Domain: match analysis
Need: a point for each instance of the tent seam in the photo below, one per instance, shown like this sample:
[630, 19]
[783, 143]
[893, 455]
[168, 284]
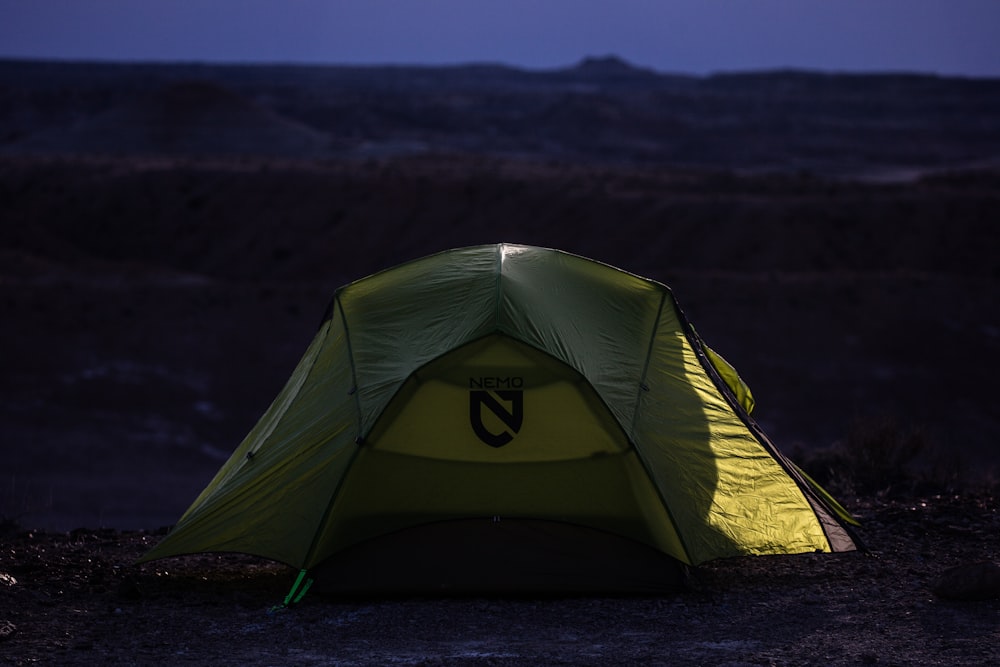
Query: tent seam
[499, 286]
[635, 418]
[355, 389]
[314, 543]
[645, 367]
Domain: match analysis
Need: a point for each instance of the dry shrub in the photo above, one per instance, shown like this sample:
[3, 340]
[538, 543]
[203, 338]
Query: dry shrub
[880, 457]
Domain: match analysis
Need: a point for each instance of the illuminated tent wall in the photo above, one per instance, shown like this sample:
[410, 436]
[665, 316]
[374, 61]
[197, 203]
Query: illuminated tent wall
[507, 417]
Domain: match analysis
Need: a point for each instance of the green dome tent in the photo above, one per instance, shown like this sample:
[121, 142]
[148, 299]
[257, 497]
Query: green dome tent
[507, 417]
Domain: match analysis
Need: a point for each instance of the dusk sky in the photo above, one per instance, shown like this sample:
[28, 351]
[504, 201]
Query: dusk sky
[682, 36]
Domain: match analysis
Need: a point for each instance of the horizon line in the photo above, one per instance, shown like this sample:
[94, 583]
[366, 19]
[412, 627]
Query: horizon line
[612, 59]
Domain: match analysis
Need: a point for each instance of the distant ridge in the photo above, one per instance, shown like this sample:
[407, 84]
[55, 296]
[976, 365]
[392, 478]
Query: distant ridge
[603, 109]
[189, 117]
[610, 65]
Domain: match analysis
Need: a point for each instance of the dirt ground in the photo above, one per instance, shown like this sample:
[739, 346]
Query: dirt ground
[77, 599]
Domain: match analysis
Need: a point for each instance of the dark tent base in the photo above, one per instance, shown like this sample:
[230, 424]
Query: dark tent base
[499, 557]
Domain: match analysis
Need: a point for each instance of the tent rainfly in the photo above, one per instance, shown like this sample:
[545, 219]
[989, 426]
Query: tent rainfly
[507, 418]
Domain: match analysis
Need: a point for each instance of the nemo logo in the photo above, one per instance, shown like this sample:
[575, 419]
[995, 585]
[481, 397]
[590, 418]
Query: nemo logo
[504, 399]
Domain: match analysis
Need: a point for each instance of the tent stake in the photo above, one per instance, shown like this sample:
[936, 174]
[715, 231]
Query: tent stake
[295, 595]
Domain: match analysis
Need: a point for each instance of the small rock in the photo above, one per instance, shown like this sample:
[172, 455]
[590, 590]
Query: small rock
[975, 581]
[7, 630]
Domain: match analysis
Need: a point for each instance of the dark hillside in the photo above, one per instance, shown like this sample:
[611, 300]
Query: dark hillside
[602, 110]
[155, 306]
[172, 234]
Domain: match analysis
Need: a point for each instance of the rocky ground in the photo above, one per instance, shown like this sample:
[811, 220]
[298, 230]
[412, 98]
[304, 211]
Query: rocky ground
[77, 599]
